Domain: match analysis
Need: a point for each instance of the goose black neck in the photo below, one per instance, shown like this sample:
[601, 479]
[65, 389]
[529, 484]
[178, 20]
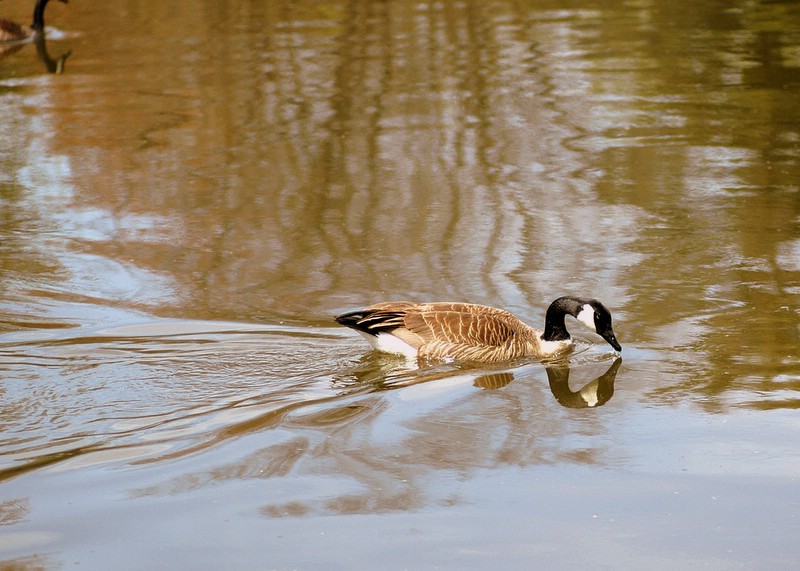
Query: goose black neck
[38, 15]
[554, 327]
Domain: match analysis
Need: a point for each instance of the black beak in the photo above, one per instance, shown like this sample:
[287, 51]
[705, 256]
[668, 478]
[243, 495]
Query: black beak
[608, 335]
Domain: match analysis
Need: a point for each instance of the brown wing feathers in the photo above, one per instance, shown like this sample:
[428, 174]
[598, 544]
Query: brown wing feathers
[457, 330]
[460, 324]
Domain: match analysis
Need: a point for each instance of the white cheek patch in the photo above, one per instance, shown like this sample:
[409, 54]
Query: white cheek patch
[586, 316]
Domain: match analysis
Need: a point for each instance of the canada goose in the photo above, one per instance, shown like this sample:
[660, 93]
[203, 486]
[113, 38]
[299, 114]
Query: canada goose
[469, 332]
[13, 34]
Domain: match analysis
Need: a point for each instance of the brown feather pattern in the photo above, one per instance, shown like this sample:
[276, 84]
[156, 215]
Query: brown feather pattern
[460, 331]
[11, 35]
[10, 30]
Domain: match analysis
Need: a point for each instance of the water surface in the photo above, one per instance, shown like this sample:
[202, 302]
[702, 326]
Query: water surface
[189, 202]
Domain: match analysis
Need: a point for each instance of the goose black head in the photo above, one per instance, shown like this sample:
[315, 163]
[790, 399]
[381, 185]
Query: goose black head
[596, 317]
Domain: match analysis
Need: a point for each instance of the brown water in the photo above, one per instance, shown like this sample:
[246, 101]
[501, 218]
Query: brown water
[186, 206]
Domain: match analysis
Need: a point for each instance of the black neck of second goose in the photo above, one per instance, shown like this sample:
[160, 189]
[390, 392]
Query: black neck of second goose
[38, 15]
[554, 327]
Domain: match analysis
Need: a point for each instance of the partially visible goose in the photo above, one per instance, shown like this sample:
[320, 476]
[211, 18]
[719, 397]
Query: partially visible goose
[13, 34]
[469, 332]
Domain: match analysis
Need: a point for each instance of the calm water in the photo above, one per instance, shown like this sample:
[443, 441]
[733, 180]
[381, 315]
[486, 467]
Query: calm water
[186, 206]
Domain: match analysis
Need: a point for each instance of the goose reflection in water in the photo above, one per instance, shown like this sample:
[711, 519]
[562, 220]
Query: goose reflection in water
[593, 394]
[13, 37]
[57, 65]
[385, 372]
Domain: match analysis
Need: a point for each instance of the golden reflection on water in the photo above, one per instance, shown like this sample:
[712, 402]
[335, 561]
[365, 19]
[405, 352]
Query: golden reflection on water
[321, 156]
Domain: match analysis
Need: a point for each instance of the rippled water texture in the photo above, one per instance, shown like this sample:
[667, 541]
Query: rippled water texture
[204, 185]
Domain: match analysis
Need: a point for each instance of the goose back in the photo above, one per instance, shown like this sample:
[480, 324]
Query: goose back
[460, 331]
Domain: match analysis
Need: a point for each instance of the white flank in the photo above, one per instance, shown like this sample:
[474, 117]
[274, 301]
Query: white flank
[388, 343]
[586, 316]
